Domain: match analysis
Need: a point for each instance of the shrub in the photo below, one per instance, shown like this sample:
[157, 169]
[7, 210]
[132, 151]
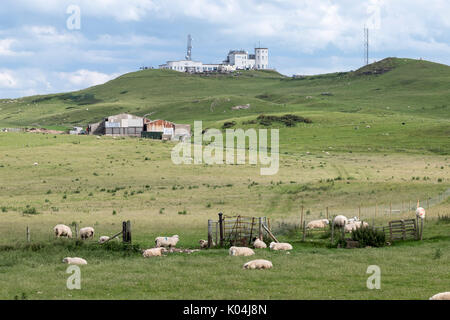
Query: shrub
[30, 210]
[367, 236]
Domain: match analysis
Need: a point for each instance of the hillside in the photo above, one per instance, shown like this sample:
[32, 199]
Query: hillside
[401, 95]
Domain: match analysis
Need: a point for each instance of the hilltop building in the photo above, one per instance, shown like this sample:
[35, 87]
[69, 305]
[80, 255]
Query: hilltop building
[236, 60]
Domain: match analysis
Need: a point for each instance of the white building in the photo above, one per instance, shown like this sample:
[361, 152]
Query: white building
[236, 60]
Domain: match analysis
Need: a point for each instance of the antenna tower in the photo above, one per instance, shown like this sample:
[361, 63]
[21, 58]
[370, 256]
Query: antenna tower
[366, 45]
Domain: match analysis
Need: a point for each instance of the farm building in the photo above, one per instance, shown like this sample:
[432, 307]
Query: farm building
[123, 124]
[166, 130]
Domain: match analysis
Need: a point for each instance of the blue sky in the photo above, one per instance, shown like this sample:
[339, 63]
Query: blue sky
[39, 54]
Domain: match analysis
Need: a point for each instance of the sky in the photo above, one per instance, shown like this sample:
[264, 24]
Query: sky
[50, 46]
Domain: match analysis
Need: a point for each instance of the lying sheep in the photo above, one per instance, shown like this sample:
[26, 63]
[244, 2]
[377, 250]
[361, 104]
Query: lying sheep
[167, 241]
[258, 264]
[259, 244]
[204, 244]
[340, 221]
[154, 252]
[77, 261]
[280, 246]
[62, 230]
[103, 239]
[420, 212]
[87, 233]
[318, 224]
[241, 251]
[441, 296]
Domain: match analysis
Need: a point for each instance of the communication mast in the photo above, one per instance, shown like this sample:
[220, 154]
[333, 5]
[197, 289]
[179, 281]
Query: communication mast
[189, 48]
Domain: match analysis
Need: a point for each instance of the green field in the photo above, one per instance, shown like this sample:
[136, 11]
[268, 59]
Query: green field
[376, 141]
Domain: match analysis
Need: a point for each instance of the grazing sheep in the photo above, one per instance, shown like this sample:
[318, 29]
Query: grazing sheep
[340, 221]
[154, 252]
[167, 241]
[280, 246]
[354, 219]
[420, 212]
[355, 225]
[259, 244]
[77, 261]
[258, 264]
[62, 230]
[317, 224]
[103, 239]
[204, 244]
[441, 296]
[86, 233]
[241, 251]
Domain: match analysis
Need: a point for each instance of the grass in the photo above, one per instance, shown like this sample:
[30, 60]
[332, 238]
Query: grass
[376, 139]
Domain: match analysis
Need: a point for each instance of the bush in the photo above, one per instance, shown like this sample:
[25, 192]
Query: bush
[30, 210]
[367, 236]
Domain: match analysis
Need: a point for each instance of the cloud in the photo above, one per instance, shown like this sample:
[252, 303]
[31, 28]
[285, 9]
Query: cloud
[7, 80]
[85, 78]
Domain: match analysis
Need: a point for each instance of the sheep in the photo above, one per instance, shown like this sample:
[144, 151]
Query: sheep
[280, 246]
[355, 225]
[103, 239]
[204, 244]
[167, 241]
[86, 233]
[258, 264]
[340, 221]
[77, 261]
[154, 252]
[317, 224]
[62, 230]
[354, 219]
[420, 213]
[441, 296]
[241, 251]
[259, 244]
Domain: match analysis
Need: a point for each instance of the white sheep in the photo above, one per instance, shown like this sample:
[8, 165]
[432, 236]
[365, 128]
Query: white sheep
[103, 239]
[280, 246]
[86, 233]
[62, 230]
[259, 244]
[420, 212]
[317, 224]
[77, 261]
[258, 264]
[441, 296]
[204, 244]
[154, 252]
[241, 251]
[340, 221]
[354, 219]
[167, 241]
[355, 225]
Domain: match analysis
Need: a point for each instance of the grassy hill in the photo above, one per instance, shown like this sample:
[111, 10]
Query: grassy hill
[392, 105]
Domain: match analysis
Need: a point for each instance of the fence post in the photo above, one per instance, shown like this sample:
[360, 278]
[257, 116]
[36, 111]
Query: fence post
[28, 234]
[210, 240]
[221, 228]
[301, 217]
[260, 229]
[421, 229]
[332, 232]
[327, 213]
[359, 212]
[76, 230]
[129, 231]
[304, 231]
[124, 231]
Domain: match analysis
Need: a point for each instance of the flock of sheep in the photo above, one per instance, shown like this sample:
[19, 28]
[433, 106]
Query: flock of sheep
[162, 243]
